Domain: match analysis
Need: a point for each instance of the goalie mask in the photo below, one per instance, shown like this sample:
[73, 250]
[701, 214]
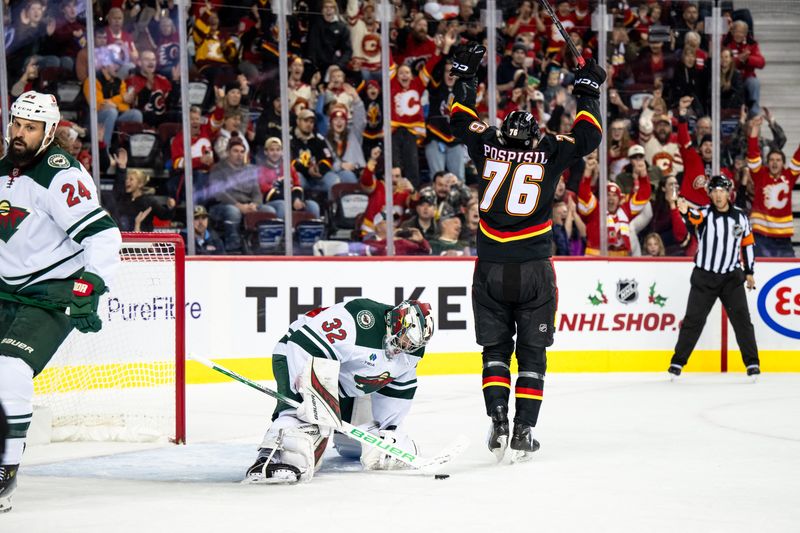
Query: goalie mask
[41, 108]
[409, 327]
[520, 129]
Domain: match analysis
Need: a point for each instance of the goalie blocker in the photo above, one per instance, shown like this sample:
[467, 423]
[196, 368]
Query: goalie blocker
[358, 349]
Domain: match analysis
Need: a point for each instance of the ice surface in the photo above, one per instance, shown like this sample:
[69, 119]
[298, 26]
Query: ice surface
[620, 452]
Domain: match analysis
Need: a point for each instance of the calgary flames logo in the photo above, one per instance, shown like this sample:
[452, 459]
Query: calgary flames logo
[776, 195]
[10, 219]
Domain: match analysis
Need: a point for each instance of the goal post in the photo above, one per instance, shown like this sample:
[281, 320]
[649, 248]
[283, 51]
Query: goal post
[126, 382]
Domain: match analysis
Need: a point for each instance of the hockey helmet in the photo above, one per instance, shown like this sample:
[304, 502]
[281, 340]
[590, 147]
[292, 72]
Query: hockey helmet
[719, 182]
[409, 327]
[520, 129]
[32, 105]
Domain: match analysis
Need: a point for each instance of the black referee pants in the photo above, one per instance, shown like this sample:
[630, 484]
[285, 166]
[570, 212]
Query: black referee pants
[706, 288]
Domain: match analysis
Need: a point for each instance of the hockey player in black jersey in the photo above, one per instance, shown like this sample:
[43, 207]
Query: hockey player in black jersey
[514, 286]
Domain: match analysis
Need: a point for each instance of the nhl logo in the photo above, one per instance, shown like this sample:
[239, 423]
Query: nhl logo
[627, 291]
[365, 319]
[738, 230]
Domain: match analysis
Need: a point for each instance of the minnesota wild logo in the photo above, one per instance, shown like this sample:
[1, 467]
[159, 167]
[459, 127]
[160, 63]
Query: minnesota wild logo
[370, 384]
[10, 219]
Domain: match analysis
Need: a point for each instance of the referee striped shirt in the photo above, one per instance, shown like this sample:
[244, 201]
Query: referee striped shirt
[725, 239]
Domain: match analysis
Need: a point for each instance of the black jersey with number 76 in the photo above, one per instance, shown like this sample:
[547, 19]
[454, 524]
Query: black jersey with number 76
[518, 185]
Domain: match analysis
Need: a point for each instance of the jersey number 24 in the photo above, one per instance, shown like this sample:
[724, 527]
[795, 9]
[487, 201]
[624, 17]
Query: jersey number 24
[523, 193]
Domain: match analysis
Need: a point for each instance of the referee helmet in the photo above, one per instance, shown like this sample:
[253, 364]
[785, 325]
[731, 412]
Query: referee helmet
[719, 182]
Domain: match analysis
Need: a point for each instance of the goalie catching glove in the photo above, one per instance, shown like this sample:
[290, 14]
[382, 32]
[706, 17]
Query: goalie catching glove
[467, 59]
[589, 79]
[83, 305]
[318, 384]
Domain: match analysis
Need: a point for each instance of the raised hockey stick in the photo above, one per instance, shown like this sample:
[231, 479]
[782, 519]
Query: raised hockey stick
[578, 57]
[428, 465]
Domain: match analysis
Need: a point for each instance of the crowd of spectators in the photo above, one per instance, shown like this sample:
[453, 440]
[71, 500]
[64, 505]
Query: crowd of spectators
[658, 123]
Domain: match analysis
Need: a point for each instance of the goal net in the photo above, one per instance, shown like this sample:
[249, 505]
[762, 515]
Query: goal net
[125, 382]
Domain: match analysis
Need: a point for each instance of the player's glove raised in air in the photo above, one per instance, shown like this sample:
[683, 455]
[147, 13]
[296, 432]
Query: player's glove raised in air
[589, 79]
[466, 60]
[83, 306]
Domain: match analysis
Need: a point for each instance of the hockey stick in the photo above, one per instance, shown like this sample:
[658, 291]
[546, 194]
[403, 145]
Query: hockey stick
[426, 465]
[578, 57]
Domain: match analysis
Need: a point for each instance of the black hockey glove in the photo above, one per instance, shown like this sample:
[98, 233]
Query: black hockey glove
[589, 79]
[466, 60]
[83, 306]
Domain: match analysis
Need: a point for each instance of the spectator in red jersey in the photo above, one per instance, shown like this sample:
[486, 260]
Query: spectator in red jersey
[771, 214]
[329, 39]
[620, 211]
[365, 39]
[167, 47]
[408, 118]
[570, 18]
[152, 92]
[69, 36]
[116, 35]
[527, 20]
[747, 57]
[202, 130]
[415, 46]
[407, 241]
[652, 64]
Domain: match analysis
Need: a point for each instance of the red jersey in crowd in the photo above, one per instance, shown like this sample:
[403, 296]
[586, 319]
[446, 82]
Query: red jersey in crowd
[746, 56]
[150, 99]
[407, 110]
[575, 19]
[201, 143]
[771, 214]
[377, 199]
[618, 223]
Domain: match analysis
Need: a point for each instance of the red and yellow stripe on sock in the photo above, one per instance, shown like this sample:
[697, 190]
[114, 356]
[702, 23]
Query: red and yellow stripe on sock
[497, 381]
[528, 393]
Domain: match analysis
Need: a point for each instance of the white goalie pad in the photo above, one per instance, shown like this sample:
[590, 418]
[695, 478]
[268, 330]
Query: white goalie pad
[376, 459]
[318, 384]
[297, 444]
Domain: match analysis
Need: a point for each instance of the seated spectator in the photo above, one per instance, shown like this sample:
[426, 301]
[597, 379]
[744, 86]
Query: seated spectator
[424, 218]
[448, 241]
[654, 246]
[298, 88]
[450, 192]
[270, 180]
[338, 93]
[29, 81]
[135, 203]
[747, 58]
[512, 68]
[344, 141]
[406, 241]
[206, 241]
[469, 230]
[234, 184]
[69, 36]
[166, 44]
[29, 35]
[771, 215]
[690, 22]
[231, 127]
[235, 98]
[402, 191]
[329, 39]
[114, 97]
[269, 122]
[560, 231]
[153, 94]
[652, 65]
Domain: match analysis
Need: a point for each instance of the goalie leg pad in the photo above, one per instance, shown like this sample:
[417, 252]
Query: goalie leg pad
[319, 386]
[296, 443]
[376, 459]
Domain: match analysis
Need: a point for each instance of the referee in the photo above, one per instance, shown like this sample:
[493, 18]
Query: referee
[724, 236]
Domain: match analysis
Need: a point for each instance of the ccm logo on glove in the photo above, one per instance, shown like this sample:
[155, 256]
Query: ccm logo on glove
[587, 81]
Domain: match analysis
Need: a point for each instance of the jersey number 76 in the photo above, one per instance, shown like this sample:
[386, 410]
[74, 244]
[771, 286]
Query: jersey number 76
[523, 193]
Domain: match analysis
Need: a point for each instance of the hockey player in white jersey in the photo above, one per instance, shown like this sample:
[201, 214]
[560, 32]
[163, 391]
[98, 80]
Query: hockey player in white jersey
[350, 350]
[58, 251]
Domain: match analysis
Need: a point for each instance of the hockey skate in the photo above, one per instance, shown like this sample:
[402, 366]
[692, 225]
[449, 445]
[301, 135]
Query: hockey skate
[753, 371]
[522, 443]
[498, 432]
[8, 482]
[265, 472]
[674, 371]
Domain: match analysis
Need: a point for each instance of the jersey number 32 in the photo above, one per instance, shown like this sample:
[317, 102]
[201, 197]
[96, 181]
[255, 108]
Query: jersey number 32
[523, 193]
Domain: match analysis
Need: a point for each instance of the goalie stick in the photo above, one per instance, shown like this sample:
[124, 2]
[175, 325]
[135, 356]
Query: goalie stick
[427, 465]
[578, 57]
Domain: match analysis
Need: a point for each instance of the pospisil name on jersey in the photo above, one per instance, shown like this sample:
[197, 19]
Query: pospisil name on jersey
[514, 156]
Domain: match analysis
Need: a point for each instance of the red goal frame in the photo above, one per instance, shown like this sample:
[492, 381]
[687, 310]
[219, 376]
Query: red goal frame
[180, 321]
